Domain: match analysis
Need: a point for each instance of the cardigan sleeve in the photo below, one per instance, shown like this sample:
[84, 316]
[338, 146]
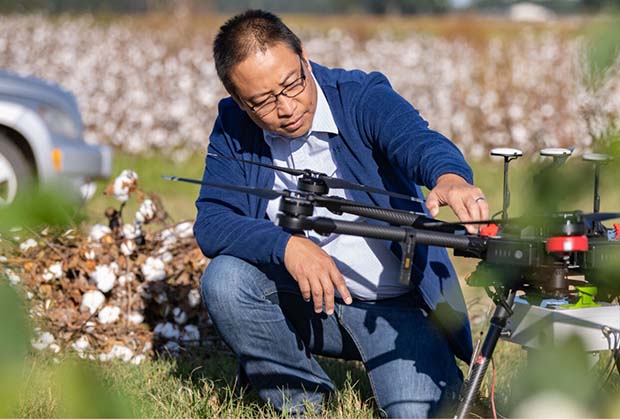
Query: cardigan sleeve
[224, 223]
[394, 126]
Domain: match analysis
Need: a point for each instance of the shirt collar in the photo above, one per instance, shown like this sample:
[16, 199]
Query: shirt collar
[323, 120]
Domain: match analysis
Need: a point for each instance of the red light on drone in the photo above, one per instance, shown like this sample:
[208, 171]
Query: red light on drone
[489, 230]
[567, 244]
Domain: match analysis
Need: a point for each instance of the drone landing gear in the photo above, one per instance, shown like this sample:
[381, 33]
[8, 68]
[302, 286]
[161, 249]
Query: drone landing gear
[472, 384]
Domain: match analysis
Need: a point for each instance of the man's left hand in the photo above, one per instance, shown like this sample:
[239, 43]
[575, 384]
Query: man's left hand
[466, 200]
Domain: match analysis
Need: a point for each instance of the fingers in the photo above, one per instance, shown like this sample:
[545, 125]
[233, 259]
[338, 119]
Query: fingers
[316, 274]
[467, 201]
[432, 204]
[304, 287]
[341, 286]
[323, 292]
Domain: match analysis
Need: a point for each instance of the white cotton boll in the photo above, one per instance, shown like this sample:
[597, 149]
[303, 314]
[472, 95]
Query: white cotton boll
[547, 110]
[184, 230]
[89, 327]
[167, 331]
[98, 231]
[147, 210]
[3, 259]
[167, 257]
[193, 297]
[168, 237]
[54, 347]
[53, 271]
[138, 359]
[14, 279]
[92, 300]
[124, 184]
[153, 269]
[87, 190]
[131, 231]
[190, 333]
[180, 317]
[117, 352]
[515, 112]
[114, 267]
[81, 344]
[28, 244]
[44, 340]
[519, 134]
[126, 278]
[128, 247]
[109, 314]
[135, 318]
[104, 277]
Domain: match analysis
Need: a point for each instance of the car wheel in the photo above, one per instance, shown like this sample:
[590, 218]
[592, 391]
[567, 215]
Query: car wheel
[15, 170]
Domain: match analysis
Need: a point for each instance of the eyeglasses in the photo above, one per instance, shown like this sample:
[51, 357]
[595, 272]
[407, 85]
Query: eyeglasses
[291, 90]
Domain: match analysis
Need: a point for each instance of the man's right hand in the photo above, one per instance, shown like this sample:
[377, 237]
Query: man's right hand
[315, 273]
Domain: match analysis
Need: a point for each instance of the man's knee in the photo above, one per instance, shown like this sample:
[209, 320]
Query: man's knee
[228, 281]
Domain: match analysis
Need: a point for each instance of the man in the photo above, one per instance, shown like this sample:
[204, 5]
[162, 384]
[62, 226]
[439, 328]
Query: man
[278, 298]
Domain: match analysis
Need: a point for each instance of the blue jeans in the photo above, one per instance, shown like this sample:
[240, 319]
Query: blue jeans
[260, 314]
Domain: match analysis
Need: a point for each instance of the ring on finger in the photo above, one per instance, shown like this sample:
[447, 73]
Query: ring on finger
[480, 198]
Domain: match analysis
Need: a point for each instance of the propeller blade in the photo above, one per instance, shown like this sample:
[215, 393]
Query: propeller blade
[331, 182]
[294, 172]
[336, 183]
[601, 216]
[536, 219]
[260, 192]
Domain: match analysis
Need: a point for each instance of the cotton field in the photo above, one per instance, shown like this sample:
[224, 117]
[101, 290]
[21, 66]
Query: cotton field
[145, 88]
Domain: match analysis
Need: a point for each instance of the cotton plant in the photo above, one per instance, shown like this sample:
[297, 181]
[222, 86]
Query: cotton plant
[129, 282]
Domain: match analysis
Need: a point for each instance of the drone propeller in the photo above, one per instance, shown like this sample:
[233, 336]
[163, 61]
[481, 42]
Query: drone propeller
[601, 216]
[330, 181]
[338, 205]
[274, 194]
[591, 217]
[260, 192]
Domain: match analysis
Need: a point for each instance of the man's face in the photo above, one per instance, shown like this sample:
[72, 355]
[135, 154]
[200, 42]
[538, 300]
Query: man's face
[277, 71]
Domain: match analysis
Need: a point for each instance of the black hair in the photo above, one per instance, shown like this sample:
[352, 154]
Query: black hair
[246, 33]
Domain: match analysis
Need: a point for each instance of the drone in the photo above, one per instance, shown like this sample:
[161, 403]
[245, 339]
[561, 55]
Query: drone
[569, 258]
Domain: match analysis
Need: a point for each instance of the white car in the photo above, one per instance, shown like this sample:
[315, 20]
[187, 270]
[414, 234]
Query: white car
[41, 138]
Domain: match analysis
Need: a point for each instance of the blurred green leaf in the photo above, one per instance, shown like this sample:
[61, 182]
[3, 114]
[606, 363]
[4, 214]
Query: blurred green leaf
[563, 370]
[85, 393]
[603, 48]
[14, 344]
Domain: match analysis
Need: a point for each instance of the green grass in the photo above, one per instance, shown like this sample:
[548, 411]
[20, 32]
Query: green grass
[190, 387]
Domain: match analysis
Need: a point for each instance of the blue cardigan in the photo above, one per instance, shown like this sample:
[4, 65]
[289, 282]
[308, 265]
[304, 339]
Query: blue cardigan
[382, 142]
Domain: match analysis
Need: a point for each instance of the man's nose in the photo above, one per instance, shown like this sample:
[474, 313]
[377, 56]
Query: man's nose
[286, 106]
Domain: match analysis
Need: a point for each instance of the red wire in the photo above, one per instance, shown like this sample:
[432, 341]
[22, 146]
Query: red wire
[493, 390]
